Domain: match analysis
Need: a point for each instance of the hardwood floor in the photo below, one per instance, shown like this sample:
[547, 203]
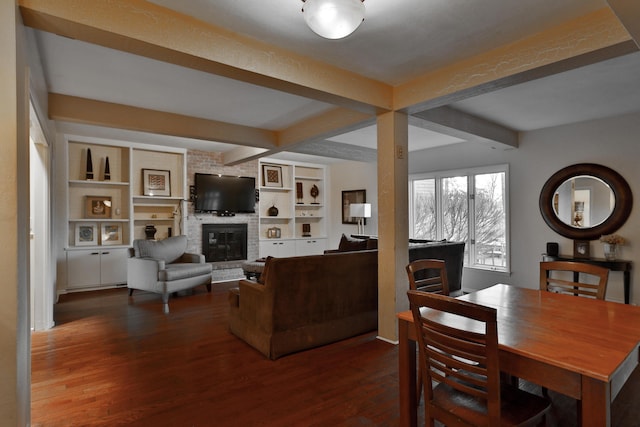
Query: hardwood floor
[112, 360]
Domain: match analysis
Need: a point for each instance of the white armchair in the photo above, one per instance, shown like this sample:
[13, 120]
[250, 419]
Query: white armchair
[164, 267]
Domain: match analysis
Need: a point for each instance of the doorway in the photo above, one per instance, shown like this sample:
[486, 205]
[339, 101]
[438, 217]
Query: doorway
[41, 282]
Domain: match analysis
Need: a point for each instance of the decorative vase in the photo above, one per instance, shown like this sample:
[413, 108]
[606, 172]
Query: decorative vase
[610, 251]
[107, 170]
[314, 193]
[150, 232]
[273, 211]
[89, 172]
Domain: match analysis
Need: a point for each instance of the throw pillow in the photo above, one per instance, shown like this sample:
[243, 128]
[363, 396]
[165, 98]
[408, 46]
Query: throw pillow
[351, 244]
[168, 250]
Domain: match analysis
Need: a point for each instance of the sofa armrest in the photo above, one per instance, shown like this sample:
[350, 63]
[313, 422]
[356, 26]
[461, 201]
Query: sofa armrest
[255, 305]
[142, 273]
[192, 258]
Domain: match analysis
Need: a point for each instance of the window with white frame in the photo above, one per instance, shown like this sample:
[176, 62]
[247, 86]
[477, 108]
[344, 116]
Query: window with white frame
[464, 205]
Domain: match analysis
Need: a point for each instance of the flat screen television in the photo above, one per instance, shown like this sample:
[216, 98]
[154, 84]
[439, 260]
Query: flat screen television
[224, 194]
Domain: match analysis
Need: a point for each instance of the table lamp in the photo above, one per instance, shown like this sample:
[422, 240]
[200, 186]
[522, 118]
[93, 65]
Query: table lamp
[360, 211]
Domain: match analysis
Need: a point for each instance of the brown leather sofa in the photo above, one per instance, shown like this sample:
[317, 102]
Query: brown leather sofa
[305, 302]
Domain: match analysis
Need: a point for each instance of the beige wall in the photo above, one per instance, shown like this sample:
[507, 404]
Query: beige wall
[14, 214]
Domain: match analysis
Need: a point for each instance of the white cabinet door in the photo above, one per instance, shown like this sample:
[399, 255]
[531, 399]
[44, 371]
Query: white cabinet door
[96, 267]
[113, 266]
[310, 246]
[277, 248]
[83, 268]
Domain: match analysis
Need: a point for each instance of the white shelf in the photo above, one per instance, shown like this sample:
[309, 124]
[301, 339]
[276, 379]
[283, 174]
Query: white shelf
[277, 189]
[174, 198]
[98, 219]
[91, 183]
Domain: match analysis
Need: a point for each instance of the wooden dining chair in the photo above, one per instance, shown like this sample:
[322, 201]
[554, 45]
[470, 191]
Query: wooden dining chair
[581, 285]
[428, 275]
[458, 343]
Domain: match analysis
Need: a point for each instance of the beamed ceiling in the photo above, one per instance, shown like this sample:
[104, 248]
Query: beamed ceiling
[251, 80]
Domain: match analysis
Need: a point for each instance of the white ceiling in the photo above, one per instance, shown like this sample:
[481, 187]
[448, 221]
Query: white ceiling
[398, 40]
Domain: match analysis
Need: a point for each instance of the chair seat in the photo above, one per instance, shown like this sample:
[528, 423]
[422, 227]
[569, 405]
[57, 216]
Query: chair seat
[179, 271]
[518, 407]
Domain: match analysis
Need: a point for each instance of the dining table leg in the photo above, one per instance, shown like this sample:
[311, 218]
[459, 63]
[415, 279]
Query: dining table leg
[596, 403]
[407, 376]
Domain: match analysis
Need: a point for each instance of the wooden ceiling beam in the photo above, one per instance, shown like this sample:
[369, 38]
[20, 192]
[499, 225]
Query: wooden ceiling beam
[628, 12]
[588, 39]
[146, 29]
[448, 121]
[311, 132]
[88, 111]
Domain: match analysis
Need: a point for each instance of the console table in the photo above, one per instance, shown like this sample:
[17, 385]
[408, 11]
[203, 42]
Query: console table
[615, 265]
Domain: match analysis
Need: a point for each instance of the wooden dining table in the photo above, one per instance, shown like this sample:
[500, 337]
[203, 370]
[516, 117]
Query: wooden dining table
[583, 348]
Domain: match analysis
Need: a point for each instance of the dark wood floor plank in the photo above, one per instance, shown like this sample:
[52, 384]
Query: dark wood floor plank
[115, 360]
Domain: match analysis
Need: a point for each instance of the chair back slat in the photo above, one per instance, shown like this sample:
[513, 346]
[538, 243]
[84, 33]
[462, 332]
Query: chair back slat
[580, 285]
[428, 275]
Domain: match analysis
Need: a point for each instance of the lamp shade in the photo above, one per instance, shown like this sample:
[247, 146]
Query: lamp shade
[360, 210]
[333, 19]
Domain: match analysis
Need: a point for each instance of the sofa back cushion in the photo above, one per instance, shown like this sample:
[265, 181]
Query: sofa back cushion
[168, 250]
[314, 289]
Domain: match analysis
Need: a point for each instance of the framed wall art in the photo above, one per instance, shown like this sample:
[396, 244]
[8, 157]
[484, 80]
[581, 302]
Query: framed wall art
[271, 176]
[111, 234]
[97, 207]
[348, 197]
[156, 182]
[86, 234]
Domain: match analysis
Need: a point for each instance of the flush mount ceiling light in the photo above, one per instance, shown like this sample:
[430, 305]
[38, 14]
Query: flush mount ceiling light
[333, 19]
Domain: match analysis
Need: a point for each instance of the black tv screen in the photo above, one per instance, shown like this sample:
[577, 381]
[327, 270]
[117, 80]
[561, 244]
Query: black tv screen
[221, 193]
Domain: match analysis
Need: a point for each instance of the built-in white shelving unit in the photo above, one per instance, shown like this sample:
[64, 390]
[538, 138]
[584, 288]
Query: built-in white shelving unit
[106, 212]
[299, 228]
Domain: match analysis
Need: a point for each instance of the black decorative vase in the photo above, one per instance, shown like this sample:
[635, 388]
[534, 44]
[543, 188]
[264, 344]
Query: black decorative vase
[107, 170]
[150, 231]
[273, 211]
[89, 165]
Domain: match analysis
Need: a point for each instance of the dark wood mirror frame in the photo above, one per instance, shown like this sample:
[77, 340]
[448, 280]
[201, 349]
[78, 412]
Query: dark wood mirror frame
[619, 215]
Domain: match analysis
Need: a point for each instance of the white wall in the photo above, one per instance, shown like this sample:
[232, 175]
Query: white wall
[611, 142]
[347, 176]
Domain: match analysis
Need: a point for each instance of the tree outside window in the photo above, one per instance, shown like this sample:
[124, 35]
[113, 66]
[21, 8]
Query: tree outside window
[441, 207]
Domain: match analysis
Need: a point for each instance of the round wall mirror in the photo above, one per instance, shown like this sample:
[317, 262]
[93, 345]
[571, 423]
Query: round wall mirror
[585, 201]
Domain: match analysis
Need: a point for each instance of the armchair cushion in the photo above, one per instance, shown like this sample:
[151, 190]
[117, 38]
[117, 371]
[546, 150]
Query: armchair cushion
[167, 250]
[183, 271]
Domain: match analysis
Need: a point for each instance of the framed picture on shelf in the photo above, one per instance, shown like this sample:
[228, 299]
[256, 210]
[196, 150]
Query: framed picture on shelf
[97, 207]
[111, 234]
[156, 182]
[86, 234]
[581, 249]
[271, 176]
[348, 197]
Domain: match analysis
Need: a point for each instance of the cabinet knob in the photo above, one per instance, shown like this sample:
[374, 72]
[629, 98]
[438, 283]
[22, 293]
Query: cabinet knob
[95, 253]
